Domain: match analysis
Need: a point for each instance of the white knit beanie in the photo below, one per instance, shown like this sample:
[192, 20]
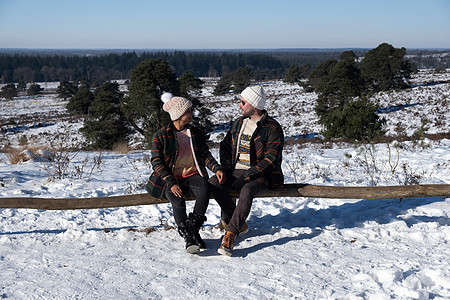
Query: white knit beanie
[255, 96]
[175, 106]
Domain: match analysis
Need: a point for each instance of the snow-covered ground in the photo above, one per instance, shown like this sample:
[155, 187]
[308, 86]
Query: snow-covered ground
[297, 248]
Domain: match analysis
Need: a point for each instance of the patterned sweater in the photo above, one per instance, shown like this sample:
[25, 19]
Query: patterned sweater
[266, 147]
[164, 155]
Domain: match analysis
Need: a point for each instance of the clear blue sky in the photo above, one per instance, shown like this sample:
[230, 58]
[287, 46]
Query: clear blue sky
[226, 24]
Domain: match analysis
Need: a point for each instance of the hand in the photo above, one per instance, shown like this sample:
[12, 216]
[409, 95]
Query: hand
[176, 190]
[238, 184]
[221, 177]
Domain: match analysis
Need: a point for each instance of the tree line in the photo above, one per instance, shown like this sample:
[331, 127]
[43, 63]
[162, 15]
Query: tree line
[37, 68]
[30, 68]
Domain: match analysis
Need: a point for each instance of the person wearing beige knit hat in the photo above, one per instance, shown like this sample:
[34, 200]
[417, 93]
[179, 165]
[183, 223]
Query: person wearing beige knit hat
[251, 155]
[180, 157]
[175, 106]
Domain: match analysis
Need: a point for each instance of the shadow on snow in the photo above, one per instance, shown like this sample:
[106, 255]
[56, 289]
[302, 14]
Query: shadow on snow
[348, 215]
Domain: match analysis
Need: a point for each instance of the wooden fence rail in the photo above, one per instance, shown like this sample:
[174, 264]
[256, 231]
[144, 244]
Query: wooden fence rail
[288, 190]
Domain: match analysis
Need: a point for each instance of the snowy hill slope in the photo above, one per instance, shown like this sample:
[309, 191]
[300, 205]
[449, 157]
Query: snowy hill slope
[297, 248]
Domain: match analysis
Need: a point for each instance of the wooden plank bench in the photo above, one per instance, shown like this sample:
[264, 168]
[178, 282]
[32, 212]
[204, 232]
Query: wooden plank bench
[288, 190]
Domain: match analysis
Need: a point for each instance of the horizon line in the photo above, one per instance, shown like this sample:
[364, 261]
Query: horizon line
[211, 49]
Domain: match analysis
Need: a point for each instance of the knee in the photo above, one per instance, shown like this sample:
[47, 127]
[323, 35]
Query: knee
[178, 202]
[204, 186]
[247, 190]
[175, 200]
[214, 181]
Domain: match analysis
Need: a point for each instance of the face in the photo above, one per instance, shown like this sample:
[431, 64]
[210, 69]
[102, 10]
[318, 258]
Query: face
[186, 118]
[247, 109]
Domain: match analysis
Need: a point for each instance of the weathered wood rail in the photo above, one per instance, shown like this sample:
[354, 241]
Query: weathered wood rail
[288, 190]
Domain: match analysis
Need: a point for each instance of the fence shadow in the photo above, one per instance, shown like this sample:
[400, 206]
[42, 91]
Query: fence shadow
[348, 215]
[58, 231]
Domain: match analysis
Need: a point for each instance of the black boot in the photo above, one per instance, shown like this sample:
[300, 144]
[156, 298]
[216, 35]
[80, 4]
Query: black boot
[196, 221]
[188, 234]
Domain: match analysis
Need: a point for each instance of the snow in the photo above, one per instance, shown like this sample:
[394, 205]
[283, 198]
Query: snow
[297, 248]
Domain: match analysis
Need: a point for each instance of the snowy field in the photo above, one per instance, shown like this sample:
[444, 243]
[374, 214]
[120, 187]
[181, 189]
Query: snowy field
[297, 248]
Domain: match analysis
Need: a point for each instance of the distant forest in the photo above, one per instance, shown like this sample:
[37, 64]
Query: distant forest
[30, 66]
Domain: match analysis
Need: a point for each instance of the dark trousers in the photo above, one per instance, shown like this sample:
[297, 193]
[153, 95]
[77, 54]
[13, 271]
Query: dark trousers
[198, 186]
[235, 215]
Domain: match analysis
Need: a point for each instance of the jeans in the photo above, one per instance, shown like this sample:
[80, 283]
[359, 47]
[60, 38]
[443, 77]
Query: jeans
[199, 187]
[235, 215]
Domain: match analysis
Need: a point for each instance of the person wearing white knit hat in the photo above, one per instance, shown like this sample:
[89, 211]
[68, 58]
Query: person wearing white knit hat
[251, 155]
[180, 157]
[255, 96]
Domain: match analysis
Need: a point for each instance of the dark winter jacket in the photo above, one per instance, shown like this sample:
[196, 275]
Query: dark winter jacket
[164, 155]
[266, 147]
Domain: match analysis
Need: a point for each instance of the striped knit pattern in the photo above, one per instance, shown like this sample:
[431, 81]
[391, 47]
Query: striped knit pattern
[266, 148]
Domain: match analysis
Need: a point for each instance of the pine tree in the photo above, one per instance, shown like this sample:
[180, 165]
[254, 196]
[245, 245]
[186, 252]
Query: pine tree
[106, 124]
[34, 89]
[81, 102]
[356, 121]
[143, 108]
[224, 85]
[9, 91]
[293, 74]
[341, 105]
[342, 84]
[190, 88]
[241, 79]
[66, 89]
[385, 68]
[323, 69]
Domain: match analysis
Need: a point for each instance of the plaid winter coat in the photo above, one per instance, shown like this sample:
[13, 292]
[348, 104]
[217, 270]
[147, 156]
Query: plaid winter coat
[266, 147]
[164, 155]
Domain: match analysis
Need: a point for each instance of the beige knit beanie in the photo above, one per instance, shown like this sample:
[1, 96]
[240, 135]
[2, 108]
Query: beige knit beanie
[255, 96]
[175, 106]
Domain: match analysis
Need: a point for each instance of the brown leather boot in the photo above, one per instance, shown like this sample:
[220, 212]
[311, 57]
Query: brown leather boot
[228, 241]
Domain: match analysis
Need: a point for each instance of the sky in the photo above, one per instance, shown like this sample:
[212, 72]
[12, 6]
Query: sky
[202, 24]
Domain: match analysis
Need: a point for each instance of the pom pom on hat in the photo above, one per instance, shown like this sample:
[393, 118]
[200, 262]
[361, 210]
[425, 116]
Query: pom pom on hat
[175, 106]
[165, 97]
[255, 96]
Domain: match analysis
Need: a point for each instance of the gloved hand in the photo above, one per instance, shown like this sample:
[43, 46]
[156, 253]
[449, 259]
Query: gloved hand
[238, 184]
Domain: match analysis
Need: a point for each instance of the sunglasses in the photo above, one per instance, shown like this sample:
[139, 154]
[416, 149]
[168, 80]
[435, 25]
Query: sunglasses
[243, 102]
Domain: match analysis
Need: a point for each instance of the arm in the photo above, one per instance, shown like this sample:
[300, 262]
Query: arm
[158, 163]
[226, 157]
